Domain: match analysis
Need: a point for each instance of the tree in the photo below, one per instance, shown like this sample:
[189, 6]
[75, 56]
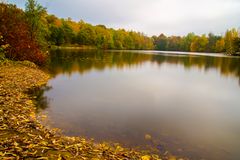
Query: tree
[237, 45]
[230, 36]
[186, 42]
[161, 42]
[86, 35]
[15, 32]
[211, 47]
[220, 46]
[118, 39]
[199, 44]
[67, 32]
[34, 13]
[104, 37]
[56, 36]
[174, 43]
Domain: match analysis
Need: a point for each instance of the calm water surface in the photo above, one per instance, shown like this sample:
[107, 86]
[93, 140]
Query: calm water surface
[188, 103]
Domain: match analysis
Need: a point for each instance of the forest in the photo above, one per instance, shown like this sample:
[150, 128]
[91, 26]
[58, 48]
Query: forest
[26, 35]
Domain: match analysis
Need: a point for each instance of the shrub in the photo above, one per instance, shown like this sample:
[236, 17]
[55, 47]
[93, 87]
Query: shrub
[3, 48]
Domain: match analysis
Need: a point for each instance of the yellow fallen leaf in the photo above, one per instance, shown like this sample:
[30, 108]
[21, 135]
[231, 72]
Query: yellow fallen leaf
[146, 157]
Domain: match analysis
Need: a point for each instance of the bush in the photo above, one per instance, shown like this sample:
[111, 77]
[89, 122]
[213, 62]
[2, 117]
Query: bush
[2, 48]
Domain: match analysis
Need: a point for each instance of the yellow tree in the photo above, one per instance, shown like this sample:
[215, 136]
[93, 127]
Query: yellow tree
[230, 36]
[220, 46]
[199, 44]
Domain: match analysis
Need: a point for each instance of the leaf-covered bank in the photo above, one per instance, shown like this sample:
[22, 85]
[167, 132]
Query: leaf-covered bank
[22, 136]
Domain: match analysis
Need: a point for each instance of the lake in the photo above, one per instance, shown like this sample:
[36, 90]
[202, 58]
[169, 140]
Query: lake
[186, 104]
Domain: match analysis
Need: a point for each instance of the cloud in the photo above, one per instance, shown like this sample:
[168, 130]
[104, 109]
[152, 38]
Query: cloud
[151, 16]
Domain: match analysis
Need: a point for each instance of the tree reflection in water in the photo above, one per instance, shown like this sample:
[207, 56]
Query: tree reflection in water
[71, 61]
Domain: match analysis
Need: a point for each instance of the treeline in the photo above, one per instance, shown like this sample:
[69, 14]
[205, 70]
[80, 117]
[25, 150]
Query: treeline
[24, 35]
[229, 43]
[68, 32]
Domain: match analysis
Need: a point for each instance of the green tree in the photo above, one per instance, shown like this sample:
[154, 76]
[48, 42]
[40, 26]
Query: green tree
[237, 45]
[57, 36]
[86, 35]
[186, 42]
[161, 42]
[212, 42]
[117, 39]
[67, 32]
[34, 13]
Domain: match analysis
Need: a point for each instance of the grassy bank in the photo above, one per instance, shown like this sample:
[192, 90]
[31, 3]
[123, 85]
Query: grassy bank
[22, 136]
[73, 47]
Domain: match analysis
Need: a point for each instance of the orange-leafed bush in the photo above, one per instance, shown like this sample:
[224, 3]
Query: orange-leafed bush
[15, 32]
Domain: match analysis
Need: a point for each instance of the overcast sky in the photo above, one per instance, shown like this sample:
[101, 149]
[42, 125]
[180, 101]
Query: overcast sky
[172, 17]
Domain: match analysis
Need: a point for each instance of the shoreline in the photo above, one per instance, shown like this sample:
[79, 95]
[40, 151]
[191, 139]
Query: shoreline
[22, 136]
[83, 47]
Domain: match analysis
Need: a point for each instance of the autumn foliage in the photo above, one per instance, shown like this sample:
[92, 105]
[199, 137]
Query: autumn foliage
[15, 32]
[26, 32]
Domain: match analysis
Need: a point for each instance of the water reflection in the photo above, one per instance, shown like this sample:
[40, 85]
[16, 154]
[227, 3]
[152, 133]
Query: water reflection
[227, 66]
[71, 61]
[189, 104]
[41, 101]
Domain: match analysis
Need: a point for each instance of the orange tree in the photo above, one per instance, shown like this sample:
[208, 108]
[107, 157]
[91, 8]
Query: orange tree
[15, 32]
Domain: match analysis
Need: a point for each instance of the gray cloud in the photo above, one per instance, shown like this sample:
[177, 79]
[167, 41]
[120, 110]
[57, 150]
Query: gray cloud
[151, 16]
